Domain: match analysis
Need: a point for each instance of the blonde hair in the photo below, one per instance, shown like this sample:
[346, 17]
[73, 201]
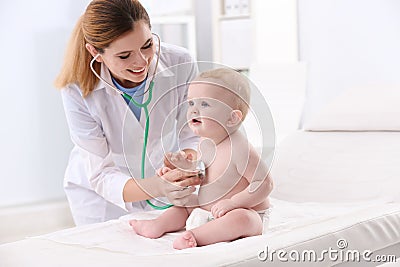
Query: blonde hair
[102, 23]
[231, 80]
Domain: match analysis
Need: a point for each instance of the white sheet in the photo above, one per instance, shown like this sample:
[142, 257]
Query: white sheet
[117, 235]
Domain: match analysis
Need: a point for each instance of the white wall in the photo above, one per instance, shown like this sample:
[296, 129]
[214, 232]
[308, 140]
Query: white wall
[34, 138]
[347, 43]
[275, 30]
[275, 67]
[204, 37]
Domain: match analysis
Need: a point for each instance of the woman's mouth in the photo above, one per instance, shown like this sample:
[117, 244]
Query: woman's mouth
[137, 71]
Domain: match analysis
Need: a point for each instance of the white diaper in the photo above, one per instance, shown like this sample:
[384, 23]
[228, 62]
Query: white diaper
[197, 218]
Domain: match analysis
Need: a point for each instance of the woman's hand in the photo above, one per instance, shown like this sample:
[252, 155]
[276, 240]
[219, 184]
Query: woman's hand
[179, 185]
[222, 207]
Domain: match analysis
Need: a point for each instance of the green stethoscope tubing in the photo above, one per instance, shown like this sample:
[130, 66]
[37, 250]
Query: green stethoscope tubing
[146, 111]
[146, 134]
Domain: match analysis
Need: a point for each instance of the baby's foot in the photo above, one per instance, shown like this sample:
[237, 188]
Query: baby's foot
[146, 228]
[186, 240]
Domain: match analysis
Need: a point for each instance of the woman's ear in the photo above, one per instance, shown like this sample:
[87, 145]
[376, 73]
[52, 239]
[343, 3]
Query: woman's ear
[92, 50]
[235, 119]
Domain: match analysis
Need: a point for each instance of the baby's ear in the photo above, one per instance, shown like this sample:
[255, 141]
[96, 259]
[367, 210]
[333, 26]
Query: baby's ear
[235, 119]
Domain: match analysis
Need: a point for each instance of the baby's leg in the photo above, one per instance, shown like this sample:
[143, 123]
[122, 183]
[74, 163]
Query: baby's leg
[171, 220]
[236, 223]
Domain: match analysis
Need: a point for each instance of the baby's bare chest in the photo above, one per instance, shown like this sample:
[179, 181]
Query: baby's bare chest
[221, 161]
[222, 178]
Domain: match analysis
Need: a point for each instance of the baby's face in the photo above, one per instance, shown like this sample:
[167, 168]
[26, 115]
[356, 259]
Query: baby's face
[209, 110]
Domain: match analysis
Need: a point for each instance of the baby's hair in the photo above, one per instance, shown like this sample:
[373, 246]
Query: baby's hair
[231, 80]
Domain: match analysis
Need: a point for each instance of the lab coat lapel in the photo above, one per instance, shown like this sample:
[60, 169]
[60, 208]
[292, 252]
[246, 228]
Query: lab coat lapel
[132, 130]
[163, 74]
[132, 138]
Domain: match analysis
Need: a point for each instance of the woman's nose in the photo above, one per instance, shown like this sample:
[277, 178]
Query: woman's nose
[139, 59]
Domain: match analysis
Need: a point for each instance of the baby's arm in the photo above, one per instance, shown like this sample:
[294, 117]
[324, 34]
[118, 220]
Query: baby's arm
[163, 170]
[260, 186]
[181, 159]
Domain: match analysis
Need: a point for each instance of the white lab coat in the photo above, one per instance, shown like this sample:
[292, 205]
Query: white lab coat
[108, 138]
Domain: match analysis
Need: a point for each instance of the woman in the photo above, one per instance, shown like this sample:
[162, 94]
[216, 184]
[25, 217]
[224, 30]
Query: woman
[103, 177]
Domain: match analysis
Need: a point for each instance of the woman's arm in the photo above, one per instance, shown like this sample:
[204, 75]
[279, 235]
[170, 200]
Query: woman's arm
[94, 161]
[174, 184]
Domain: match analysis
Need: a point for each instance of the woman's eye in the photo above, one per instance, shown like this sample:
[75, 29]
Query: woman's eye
[148, 46]
[124, 57]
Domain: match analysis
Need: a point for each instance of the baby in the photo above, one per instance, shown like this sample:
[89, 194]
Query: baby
[234, 192]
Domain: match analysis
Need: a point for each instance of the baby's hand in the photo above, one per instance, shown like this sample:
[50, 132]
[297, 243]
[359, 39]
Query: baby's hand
[161, 171]
[222, 207]
[179, 160]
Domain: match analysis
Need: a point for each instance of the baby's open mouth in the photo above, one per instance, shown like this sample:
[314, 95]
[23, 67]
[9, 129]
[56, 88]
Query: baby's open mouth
[196, 120]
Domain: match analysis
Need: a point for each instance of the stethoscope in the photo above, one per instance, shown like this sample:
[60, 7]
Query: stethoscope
[139, 105]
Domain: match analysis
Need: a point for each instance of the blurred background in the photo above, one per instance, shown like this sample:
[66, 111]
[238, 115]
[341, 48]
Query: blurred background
[300, 55]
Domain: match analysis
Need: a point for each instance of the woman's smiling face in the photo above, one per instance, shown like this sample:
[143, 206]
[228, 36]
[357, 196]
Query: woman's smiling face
[128, 57]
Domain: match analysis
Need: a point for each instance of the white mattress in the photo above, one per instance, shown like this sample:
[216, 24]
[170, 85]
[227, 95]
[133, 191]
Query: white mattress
[293, 226]
[309, 168]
